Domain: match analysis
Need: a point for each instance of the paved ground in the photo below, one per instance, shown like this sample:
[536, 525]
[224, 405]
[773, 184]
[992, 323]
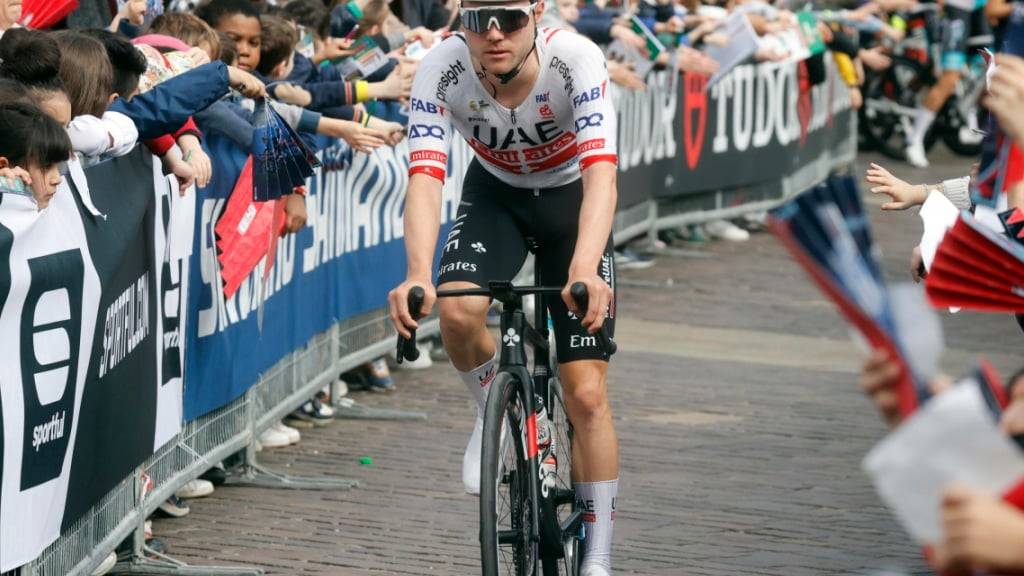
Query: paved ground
[742, 431]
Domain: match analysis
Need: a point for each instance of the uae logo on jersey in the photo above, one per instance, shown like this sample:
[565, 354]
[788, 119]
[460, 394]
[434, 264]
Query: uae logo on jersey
[545, 111]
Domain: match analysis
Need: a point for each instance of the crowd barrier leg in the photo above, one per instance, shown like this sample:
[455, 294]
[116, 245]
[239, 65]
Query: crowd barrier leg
[145, 560]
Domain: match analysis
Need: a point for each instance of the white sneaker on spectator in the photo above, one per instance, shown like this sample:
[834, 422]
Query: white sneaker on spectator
[339, 389]
[424, 360]
[726, 230]
[271, 438]
[471, 459]
[594, 570]
[916, 155]
[195, 489]
[106, 566]
[292, 434]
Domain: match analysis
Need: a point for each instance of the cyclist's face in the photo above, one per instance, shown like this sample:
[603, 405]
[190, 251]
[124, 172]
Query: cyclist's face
[499, 51]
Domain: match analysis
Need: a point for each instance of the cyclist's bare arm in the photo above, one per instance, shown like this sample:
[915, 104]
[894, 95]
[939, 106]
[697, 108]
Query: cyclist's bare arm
[596, 214]
[422, 221]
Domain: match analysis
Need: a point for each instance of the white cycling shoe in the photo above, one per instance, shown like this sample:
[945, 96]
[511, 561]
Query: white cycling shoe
[471, 459]
[594, 570]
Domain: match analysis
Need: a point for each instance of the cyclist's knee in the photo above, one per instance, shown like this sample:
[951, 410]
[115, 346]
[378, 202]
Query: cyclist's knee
[460, 316]
[585, 390]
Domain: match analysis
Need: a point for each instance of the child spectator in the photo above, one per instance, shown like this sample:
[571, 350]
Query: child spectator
[189, 29]
[38, 73]
[32, 149]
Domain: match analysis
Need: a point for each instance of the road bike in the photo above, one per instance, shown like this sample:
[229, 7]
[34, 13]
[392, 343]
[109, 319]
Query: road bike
[529, 522]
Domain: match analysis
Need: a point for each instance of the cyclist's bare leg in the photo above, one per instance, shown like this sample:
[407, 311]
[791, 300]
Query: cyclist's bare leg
[940, 92]
[471, 349]
[464, 328]
[595, 457]
[932, 103]
[595, 448]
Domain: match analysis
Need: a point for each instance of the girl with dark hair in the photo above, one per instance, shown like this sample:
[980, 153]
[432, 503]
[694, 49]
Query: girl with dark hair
[33, 59]
[36, 144]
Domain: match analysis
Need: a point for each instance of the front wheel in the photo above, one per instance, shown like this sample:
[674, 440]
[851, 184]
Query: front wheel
[506, 508]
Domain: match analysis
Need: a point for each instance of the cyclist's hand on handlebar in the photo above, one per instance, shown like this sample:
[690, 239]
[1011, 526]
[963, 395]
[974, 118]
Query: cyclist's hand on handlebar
[398, 304]
[600, 298]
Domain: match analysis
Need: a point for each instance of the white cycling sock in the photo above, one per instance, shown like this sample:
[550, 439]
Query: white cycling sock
[478, 381]
[922, 121]
[597, 501]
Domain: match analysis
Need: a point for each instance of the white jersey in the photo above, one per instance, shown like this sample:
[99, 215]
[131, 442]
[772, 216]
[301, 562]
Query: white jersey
[565, 124]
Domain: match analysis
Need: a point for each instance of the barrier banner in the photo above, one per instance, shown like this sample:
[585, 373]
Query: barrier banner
[92, 355]
[343, 263]
[758, 124]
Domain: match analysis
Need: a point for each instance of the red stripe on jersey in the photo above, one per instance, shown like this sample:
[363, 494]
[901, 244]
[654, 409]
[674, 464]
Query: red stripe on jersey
[552, 34]
[595, 144]
[543, 151]
[557, 160]
[591, 160]
[429, 171]
[431, 155]
[489, 156]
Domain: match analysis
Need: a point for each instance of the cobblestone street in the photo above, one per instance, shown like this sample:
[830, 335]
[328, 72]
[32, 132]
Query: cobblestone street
[739, 414]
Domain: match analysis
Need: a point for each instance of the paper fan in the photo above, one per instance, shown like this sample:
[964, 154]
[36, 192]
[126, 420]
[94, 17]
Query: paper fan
[281, 160]
[245, 232]
[826, 231]
[39, 14]
[978, 269]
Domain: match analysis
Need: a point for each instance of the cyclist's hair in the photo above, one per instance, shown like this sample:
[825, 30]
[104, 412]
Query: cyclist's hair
[188, 28]
[31, 138]
[311, 15]
[126, 62]
[278, 39]
[86, 72]
[213, 11]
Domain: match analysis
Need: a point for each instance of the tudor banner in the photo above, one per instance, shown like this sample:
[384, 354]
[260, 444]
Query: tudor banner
[90, 291]
[758, 124]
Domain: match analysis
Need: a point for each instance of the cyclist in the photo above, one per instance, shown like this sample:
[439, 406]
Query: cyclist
[533, 103]
[962, 20]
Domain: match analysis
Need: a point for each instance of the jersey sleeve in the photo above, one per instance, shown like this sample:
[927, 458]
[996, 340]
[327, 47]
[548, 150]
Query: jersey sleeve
[593, 113]
[430, 127]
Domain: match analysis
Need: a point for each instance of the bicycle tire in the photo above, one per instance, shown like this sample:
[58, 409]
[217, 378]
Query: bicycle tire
[951, 137]
[504, 484]
[568, 564]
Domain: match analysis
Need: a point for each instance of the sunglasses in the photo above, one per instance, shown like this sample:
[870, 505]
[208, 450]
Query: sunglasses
[505, 19]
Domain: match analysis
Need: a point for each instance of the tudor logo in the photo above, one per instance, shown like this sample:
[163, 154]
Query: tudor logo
[695, 116]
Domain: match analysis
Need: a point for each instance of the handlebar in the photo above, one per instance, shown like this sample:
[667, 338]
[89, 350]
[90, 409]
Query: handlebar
[578, 291]
[406, 347]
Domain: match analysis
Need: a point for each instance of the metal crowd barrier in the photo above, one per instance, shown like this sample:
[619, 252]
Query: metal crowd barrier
[204, 442]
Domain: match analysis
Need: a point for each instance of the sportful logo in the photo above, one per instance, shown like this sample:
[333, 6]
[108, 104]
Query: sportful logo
[50, 331]
[449, 77]
[126, 325]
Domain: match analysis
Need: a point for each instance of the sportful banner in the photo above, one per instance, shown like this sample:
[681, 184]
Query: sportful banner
[90, 296]
[343, 263]
[758, 124]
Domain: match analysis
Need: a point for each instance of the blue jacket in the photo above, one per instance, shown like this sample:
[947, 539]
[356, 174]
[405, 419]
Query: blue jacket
[596, 23]
[166, 107]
